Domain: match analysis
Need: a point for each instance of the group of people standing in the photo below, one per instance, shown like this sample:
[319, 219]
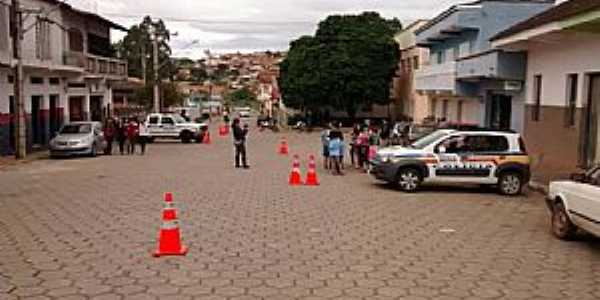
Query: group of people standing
[127, 133]
[363, 143]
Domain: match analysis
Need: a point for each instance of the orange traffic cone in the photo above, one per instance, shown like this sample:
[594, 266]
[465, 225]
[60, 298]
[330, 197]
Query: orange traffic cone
[295, 177]
[169, 238]
[283, 148]
[206, 139]
[311, 175]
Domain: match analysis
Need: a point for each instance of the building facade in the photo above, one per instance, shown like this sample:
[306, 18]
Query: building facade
[68, 71]
[409, 103]
[562, 119]
[467, 80]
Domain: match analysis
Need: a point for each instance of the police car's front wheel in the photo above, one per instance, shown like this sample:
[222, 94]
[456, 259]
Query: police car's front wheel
[510, 183]
[409, 180]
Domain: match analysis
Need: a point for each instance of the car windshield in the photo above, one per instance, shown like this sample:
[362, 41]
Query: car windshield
[427, 140]
[76, 129]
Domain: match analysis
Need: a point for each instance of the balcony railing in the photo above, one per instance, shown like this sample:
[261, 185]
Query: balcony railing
[492, 64]
[96, 65]
[438, 77]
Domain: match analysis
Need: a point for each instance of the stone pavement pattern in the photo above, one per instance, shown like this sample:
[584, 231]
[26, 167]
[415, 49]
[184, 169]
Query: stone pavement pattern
[85, 228]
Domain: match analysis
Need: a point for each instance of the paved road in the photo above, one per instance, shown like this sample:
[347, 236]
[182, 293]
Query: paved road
[84, 229]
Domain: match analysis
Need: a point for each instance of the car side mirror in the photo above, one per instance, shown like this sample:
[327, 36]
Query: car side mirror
[578, 177]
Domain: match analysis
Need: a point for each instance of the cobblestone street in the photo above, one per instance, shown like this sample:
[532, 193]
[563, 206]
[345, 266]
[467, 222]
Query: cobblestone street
[85, 229]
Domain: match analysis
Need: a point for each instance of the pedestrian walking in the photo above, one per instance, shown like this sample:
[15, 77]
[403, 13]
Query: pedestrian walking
[121, 134]
[336, 133]
[363, 148]
[132, 132]
[325, 146]
[385, 133]
[109, 135]
[239, 140]
[354, 151]
[335, 151]
[142, 136]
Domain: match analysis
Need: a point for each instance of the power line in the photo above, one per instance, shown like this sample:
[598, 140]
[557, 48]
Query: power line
[210, 22]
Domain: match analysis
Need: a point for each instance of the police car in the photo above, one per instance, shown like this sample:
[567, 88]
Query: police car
[482, 157]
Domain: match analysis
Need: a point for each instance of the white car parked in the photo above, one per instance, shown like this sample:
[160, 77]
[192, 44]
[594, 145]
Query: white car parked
[174, 127]
[575, 204]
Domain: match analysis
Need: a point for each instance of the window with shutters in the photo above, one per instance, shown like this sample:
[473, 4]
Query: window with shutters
[75, 40]
[42, 33]
[4, 28]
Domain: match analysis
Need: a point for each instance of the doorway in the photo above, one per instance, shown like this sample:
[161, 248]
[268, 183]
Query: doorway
[54, 118]
[37, 130]
[13, 118]
[76, 109]
[500, 112]
[96, 108]
[592, 128]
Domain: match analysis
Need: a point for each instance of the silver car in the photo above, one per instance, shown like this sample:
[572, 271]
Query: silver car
[78, 138]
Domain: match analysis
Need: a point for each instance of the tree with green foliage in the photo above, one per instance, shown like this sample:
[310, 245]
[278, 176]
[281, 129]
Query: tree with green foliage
[241, 97]
[138, 43]
[348, 65]
[170, 95]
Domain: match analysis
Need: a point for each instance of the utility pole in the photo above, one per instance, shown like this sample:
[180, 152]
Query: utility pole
[20, 126]
[155, 67]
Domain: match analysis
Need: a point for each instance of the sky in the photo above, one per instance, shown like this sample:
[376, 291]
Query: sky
[226, 26]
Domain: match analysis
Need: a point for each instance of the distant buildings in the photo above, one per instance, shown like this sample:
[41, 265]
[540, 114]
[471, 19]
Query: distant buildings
[69, 71]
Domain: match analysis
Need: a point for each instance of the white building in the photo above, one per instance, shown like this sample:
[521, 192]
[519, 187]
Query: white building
[68, 70]
[562, 111]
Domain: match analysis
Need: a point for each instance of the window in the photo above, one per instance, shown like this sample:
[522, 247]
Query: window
[75, 40]
[571, 100]
[153, 120]
[36, 80]
[168, 121]
[416, 62]
[11, 79]
[433, 107]
[537, 98]
[455, 144]
[440, 57]
[42, 40]
[456, 52]
[471, 46]
[54, 81]
[3, 28]
[486, 143]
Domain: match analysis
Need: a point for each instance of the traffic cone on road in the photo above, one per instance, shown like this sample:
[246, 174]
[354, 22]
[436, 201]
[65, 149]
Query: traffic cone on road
[283, 147]
[295, 176]
[311, 175]
[169, 238]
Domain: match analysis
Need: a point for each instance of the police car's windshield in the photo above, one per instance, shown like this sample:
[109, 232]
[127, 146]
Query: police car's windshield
[428, 139]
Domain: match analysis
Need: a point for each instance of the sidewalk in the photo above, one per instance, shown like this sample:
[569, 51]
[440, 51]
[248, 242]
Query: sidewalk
[6, 161]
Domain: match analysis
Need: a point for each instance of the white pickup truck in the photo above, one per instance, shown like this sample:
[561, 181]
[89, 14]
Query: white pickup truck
[174, 127]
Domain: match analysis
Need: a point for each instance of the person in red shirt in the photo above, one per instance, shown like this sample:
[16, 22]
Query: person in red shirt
[132, 133]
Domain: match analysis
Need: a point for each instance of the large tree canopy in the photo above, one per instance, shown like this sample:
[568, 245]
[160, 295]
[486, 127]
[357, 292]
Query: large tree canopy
[138, 43]
[347, 65]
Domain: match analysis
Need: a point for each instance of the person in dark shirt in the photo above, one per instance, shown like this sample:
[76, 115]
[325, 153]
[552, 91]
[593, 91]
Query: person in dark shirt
[239, 141]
